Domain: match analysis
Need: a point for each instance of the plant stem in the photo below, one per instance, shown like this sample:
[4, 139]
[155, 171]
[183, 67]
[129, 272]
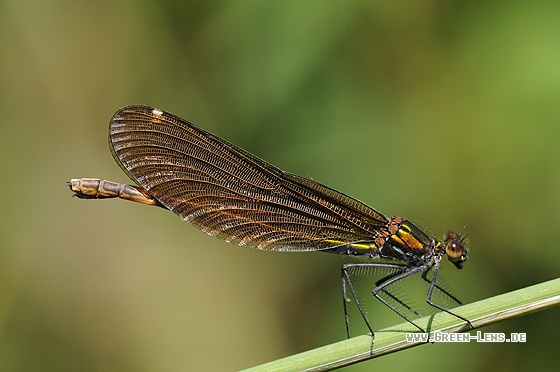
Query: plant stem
[482, 313]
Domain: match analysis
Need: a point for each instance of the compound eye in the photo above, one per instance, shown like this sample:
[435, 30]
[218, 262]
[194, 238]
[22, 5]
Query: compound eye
[454, 247]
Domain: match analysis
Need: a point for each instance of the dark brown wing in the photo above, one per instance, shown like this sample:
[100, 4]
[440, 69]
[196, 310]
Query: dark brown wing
[230, 193]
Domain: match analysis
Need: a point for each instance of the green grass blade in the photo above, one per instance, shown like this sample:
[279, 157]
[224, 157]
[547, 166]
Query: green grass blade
[388, 340]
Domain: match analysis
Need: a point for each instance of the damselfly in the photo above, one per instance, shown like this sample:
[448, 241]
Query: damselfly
[233, 195]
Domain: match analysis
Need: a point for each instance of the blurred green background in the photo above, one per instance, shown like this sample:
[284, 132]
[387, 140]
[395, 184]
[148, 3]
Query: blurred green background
[446, 113]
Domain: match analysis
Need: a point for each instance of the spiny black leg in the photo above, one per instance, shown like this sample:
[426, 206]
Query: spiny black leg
[393, 280]
[347, 286]
[346, 280]
[395, 298]
[442, 290]
[430, 291]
